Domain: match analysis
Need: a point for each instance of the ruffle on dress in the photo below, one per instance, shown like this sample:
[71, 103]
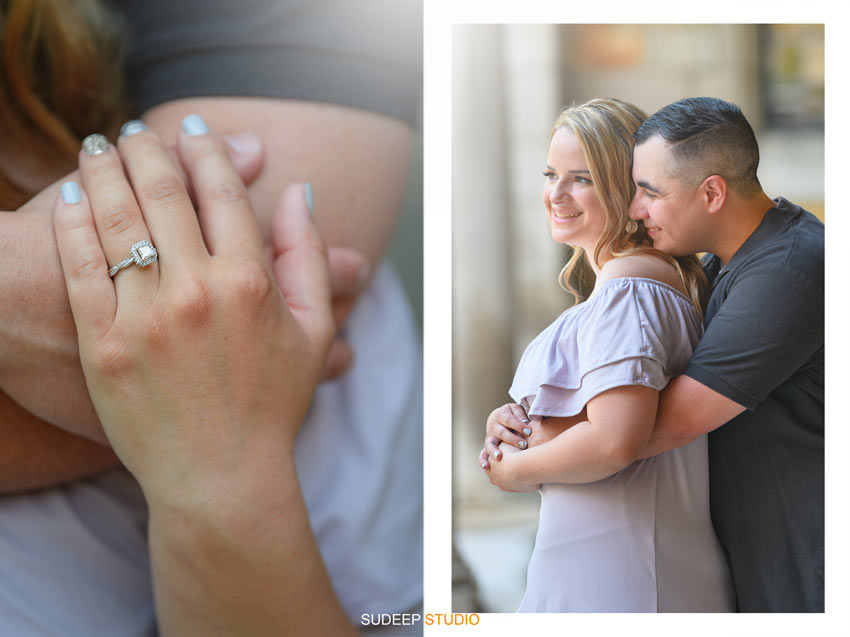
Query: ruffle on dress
[632, 331]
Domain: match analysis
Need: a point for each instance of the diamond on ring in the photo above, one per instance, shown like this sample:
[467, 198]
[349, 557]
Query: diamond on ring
[142, 254]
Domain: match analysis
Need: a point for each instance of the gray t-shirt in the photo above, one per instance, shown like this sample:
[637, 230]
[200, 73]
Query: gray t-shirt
[763, 348]
[364, 54]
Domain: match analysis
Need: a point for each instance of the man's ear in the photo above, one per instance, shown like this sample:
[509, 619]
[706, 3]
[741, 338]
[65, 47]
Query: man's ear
[714, 190]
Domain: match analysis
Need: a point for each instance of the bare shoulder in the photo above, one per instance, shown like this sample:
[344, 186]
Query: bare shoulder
[641, 266]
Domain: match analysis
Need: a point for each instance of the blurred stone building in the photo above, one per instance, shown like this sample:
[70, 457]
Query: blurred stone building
[509, 82]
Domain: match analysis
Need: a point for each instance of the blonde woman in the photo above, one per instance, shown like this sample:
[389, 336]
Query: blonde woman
[614, 534]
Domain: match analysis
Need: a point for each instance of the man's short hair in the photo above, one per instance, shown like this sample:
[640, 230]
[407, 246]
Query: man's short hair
[708, 136]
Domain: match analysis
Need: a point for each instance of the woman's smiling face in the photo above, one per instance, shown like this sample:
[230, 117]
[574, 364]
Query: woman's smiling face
[575, 215]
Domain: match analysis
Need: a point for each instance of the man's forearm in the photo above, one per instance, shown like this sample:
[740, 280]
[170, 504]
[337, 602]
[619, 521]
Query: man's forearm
[356, 161]
[39, 362]
[665, 437]
[35, 455]
[687, 409]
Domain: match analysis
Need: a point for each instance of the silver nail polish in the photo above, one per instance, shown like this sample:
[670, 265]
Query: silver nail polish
[308, 195]
[522, 444]
[194, 125]
[70, 192]
[95, 144]
[132, 127]
[527, 431]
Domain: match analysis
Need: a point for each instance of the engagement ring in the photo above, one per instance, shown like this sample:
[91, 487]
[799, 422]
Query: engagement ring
[142, 254]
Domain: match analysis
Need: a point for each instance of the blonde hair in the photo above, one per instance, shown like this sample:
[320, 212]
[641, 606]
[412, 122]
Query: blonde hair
[605, 128]
[61, 80]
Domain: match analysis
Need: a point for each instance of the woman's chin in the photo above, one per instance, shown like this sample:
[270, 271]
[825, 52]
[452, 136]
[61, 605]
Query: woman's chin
[563, 235]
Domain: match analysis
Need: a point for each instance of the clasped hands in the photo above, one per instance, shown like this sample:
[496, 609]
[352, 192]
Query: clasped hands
[40, 369]
[509, 431]
[201, 365]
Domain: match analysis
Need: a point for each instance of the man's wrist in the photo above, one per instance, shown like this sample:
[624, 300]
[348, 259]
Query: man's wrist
[36, 455]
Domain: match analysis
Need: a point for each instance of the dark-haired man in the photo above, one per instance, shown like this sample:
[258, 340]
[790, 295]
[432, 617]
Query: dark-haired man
[756, 380]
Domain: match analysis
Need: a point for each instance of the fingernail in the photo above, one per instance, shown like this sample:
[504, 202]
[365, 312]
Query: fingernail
[525, 420]
[70, 192]
[483, 465]
[527, 431]
[497, 454]
[522, 444]
[194, 125]
[132, 127]
[308, 195]
[244, 143]
[95, 144]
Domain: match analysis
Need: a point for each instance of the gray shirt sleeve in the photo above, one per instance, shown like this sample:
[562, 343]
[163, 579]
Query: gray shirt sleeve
[769, 326]
[364, 54]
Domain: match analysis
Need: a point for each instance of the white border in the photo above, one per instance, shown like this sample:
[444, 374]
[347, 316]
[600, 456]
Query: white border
[439, 17]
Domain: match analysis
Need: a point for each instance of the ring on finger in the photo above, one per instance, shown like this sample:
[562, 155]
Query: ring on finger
[142, 254]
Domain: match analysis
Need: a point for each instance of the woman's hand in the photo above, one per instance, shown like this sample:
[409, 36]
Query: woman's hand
[40, 366]
[508, 423]
[533, 432]
[501, 473]
[199, 368]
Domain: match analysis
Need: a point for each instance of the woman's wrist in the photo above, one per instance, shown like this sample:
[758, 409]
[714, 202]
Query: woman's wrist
[202, 495]
[209, 510]
[253, 558]
[516, 469]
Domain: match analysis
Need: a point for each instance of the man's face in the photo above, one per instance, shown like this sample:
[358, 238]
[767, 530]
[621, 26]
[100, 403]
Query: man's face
[670, 210]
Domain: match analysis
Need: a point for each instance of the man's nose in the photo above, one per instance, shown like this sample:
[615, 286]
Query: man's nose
[637, 209]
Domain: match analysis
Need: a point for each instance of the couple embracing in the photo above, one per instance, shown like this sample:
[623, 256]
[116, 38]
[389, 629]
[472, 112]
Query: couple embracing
[673, 418]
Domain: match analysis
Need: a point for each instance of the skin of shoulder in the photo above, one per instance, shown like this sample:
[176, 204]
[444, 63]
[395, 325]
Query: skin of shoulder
[640, 266]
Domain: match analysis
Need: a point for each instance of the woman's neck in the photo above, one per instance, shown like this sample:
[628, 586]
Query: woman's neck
[604, 257]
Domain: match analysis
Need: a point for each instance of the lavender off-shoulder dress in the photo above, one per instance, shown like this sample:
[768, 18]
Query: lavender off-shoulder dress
[640, 540]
